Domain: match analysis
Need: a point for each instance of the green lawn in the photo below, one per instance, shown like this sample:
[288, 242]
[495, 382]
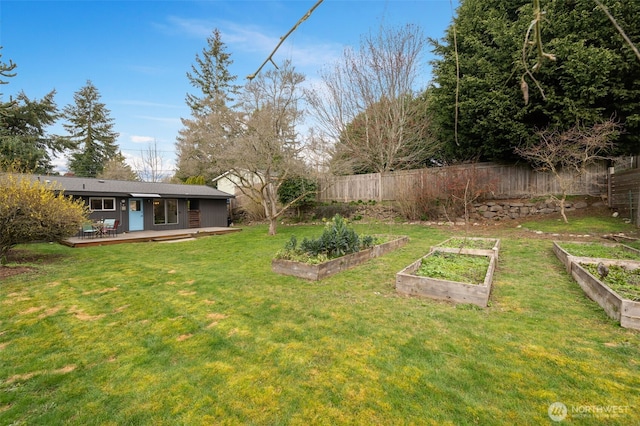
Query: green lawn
[202, 332]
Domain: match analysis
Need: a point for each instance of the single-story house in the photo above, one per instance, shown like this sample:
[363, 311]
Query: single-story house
[231, 183]
[147, 206]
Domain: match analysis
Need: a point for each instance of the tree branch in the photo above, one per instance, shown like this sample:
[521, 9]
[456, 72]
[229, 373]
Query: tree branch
[282, 39]
[618, 27]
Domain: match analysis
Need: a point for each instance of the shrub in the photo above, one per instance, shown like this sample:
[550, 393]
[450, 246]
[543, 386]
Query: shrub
[248, 209]
[417, 204]
[337, 239]
[450, 195]
[326, 211]
[300, 191]
[35, 211]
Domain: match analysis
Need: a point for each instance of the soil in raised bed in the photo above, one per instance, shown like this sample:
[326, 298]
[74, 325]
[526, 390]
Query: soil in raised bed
[619, 279]
[468, 269]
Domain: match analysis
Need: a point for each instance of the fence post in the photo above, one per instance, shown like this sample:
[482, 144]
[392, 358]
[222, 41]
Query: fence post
[637, 216]
[611, 171]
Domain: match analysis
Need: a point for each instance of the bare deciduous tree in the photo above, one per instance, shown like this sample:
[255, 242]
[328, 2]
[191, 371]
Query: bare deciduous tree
[150, 165]
[268, 151]
[365, 103]
[117, 169]
[566, 154]
[256, 142]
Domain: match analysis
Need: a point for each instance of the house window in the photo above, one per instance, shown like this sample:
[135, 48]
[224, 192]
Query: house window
[135, 205]
[193, 204]
[102, 204]
[165, 211]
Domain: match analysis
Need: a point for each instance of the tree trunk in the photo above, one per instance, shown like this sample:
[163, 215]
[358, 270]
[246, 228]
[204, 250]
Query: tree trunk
[273, 223]
[270, 203]
[562, 202]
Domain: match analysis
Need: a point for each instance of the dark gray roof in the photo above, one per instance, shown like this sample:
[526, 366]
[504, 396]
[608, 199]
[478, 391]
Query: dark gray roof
[103, 187]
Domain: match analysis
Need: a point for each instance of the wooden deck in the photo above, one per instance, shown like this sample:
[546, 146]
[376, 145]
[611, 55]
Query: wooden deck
[146, 236]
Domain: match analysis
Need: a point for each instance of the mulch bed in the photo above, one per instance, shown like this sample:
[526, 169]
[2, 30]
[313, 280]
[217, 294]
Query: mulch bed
[17, 260]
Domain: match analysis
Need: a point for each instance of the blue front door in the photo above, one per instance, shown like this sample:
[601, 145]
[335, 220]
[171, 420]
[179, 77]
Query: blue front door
[136, 214]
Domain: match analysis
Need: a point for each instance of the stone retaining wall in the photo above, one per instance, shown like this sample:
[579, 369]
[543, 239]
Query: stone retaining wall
[481, 211]
[509, 209]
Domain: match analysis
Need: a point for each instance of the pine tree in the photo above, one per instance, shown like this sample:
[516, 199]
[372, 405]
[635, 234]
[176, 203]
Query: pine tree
[91, 130]
[5, 72]
[210, 75]
[25, 145]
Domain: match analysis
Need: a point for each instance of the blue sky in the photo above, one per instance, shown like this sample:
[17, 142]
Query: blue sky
[137, 53]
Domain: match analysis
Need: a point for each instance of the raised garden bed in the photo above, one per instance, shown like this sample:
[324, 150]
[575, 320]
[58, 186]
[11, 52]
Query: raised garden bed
[626, 311]
[615, 300]
[410, 282]
[322, 270]
[470, 245]
[572, 251]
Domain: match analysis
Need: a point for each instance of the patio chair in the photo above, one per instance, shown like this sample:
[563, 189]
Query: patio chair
[111, 227]
[88, 230]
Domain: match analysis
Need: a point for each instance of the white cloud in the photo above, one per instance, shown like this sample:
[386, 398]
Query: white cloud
[141, 139]
[59, 164]
[192, 27]
[132, 102]
[301, 53]
[252, 39]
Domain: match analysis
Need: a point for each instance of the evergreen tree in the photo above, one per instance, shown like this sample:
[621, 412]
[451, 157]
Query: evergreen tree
[507, 90]
[91, 131]
[6, 71]
[210, 75]
[25, 146]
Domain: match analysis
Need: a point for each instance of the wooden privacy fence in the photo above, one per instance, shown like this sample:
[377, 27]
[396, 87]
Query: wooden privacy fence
[491, 180]
[624, 194]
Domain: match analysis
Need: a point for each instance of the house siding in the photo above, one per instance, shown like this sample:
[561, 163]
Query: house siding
[122, 216]
[211, 204]
[213, 213]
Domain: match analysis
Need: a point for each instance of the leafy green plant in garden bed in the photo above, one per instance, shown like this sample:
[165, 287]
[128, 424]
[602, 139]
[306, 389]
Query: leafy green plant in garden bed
[337, 239]
[462, 268]
[623, 281]
[471, 243]
[599, 250]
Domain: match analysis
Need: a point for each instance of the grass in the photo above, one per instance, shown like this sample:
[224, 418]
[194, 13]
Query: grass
[579, 225]
[202, 332]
